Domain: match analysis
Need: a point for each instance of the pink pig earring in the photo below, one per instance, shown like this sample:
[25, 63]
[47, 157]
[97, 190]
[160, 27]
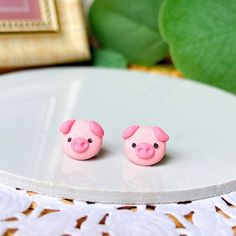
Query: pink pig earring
[81, 139]
[145, 145]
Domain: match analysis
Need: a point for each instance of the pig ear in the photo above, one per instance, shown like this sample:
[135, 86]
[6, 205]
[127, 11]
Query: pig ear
[160, 134]
[66, 126]
[96, 129]
[130, 131]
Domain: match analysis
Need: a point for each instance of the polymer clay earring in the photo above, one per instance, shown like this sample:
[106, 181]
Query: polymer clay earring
[145, 145]
[81, 139]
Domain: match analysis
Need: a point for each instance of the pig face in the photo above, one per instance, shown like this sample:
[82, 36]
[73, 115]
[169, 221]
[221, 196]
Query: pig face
[81, 139]
[145, 145]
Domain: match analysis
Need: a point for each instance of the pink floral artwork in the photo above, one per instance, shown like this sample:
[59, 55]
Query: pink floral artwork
[20, 10]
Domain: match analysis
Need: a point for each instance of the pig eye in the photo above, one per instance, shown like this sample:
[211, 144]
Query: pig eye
[133, 145]
[155, 145]
[90, 140]
[69, 139]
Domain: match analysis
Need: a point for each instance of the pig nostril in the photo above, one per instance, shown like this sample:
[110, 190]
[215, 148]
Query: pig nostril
[140, 150]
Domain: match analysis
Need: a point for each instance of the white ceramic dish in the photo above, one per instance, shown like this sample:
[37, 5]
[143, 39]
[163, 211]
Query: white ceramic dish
[200, 121]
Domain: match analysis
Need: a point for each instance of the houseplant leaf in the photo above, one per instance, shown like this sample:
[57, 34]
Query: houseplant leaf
[108, 58]
[130, 28]
[202, 39]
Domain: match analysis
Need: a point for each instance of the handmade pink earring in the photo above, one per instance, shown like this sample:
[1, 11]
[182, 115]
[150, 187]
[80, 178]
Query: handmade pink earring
[81, 139]
[145, 145]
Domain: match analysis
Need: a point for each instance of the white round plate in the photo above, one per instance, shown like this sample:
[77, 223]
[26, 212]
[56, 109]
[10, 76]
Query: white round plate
[200, 120]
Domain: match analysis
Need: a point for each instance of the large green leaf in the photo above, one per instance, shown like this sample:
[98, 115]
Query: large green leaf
[129, 27]
[202, 38]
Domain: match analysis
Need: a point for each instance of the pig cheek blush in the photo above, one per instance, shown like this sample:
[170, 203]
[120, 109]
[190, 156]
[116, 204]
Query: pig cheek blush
[81, 140]
[145, 145]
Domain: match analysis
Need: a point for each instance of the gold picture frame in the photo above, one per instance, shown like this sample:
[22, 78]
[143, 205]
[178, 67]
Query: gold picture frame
[59, 36]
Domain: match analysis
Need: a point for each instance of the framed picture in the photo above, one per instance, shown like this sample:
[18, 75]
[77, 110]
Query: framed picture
[42, 32]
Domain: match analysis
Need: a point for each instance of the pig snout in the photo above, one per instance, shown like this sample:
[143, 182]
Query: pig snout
[144, 150]
[79, 145]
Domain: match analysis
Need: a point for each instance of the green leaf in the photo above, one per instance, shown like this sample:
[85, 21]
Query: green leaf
[202, 38]
[108, 58]
[129, 27]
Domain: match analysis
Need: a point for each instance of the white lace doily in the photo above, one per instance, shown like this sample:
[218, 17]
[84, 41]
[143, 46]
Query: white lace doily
[27, 213]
